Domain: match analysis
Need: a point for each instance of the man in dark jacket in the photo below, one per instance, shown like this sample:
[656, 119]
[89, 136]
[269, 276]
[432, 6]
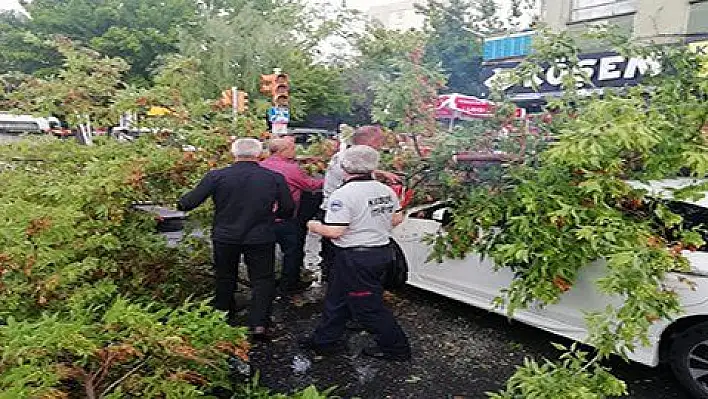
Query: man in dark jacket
[247, 199]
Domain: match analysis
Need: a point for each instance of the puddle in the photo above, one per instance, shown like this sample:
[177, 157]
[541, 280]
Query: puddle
[301, 364]
[366, 373]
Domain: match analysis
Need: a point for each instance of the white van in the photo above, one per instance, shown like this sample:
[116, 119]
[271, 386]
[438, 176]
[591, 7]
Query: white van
[22, 124]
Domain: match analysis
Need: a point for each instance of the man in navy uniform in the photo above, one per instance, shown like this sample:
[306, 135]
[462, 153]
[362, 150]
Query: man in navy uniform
[359, 218]
[371, 136]
[247, 200]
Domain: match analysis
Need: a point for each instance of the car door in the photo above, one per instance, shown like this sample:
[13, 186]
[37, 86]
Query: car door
[472, 279]
[568, 315]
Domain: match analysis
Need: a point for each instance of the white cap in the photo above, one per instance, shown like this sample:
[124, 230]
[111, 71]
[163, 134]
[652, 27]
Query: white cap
[360, 159]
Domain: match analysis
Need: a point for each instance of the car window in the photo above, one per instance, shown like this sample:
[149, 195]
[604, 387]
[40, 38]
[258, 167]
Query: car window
[440, 212]
[694, 218]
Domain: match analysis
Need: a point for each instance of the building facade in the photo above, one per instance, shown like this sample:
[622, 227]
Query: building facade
[399, 15]
[649, 21]
[644, 20]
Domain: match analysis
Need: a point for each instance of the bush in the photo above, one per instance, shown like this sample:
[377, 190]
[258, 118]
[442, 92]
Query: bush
[93, 302]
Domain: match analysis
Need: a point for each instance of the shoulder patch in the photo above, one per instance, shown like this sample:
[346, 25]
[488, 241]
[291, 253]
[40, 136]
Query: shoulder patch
[336, 205]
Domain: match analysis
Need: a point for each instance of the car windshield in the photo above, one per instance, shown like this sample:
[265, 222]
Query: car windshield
[693, 217]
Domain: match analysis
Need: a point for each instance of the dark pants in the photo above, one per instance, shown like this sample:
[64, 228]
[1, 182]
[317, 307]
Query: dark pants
[260, 262]
[327, 252]
[288, 235]
[355, 291]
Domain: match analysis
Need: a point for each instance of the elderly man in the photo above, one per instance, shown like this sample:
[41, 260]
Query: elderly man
[359, 218]
[289, 234]
[370, 136]
[245, 196]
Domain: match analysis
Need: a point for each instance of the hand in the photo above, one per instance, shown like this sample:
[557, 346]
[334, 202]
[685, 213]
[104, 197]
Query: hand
[388, 177]
[313, 225]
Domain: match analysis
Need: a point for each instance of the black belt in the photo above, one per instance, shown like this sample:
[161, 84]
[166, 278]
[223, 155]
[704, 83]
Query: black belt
[362, 249]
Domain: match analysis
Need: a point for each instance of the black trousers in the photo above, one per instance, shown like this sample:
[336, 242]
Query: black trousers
[289, 238]
[327, 252]
[355, 292]
[328, 255]
[260, 262]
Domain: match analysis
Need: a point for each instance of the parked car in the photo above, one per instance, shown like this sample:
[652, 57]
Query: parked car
[305, 136]
[682, 343]
[170, 222]
[58, 128]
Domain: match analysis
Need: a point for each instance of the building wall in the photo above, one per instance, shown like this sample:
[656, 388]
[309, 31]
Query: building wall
[661, 17]
[652, 20]
[698, 17]
[400, 15]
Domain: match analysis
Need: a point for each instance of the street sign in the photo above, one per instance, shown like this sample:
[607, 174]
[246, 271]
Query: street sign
[279, 129]
[278, 115]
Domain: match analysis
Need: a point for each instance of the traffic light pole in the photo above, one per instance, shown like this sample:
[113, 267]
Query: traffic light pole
[234, 100]
[277, 85]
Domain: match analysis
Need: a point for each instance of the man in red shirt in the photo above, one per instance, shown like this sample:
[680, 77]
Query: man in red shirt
[289, 234]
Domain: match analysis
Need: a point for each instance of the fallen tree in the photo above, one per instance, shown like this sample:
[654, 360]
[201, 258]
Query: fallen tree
[93, 303]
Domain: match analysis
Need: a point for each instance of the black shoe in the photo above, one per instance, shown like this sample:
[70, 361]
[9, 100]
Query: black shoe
[378, 354]
[296, 288]
[308, 343]
[233, 320]
[260, 334]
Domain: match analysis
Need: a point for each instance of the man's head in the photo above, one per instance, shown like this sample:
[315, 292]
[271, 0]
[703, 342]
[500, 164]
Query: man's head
[371, 136]
[282, 147]
[360, 160]
[330, 147]
[246, 149]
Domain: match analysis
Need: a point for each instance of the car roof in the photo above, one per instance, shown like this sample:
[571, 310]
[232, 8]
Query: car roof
[301, 130]
[664, 189]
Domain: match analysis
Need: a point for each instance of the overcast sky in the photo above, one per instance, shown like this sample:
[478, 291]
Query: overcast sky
[6, 4]
[360, 4]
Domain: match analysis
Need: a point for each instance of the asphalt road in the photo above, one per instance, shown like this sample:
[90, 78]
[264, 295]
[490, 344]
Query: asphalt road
[459, 352]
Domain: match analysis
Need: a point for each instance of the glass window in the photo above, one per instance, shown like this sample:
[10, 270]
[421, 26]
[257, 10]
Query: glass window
[698, 17]
[591, 9]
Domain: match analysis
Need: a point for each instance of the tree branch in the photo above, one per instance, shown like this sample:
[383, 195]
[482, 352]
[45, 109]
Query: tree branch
[121, 379]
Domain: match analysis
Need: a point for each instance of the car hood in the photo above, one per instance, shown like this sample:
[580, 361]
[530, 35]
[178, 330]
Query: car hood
[698, 260]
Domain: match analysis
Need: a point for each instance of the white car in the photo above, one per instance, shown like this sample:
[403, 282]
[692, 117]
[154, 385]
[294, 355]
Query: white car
[683, 343]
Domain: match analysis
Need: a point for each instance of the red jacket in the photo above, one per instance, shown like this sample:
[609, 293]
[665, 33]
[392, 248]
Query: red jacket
[297, 180]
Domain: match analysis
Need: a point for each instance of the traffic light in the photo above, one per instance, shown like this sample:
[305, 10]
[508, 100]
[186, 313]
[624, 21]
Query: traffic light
[226, 97]
[267, 83]
[242, 97]
[281, 90]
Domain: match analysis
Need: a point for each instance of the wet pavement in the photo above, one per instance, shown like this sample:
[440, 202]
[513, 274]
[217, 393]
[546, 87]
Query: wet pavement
[458, 352]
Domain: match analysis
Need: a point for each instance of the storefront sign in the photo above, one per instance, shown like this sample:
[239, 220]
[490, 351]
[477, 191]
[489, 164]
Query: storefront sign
[701, 48]
[601, 70]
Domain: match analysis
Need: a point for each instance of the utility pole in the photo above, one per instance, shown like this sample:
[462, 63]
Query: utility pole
[234, 100]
